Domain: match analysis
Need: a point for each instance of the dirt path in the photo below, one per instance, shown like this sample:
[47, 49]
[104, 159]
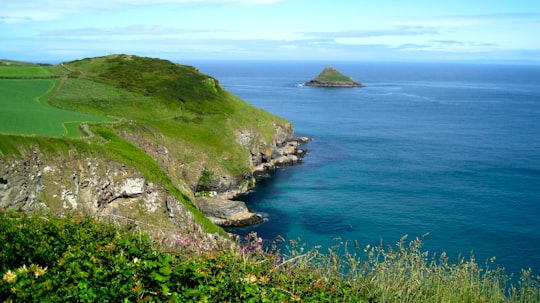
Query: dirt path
[62, 81]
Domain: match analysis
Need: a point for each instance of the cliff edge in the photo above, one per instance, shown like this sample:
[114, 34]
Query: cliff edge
[166, 135]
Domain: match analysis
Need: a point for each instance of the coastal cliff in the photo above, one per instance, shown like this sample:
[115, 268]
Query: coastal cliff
[179, 150]
[102, 188]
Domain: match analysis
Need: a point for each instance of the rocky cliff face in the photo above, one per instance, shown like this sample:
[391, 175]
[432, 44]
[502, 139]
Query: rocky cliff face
[219, 207]
[108, 189]
[101, 188]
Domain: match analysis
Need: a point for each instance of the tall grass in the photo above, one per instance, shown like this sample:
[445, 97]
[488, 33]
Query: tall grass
[75, 259]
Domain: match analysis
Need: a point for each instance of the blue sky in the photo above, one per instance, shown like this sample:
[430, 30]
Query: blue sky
[352, 30]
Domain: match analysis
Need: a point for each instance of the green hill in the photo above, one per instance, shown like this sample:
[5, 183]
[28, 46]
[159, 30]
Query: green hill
[176, 127]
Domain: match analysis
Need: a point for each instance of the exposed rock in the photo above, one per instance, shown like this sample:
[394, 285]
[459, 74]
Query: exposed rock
[330, 77]
[287, 154]
[223, 211]
[302, 140]
[227, 212]
[102, 188]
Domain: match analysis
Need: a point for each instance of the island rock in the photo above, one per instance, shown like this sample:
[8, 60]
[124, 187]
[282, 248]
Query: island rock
[330, 77]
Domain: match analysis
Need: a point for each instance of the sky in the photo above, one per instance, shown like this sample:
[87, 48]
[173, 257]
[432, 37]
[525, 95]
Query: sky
[52, 31]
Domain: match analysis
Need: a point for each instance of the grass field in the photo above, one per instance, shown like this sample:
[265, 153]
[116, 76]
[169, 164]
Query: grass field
[103, 99]
[25, 112]
[24, 71]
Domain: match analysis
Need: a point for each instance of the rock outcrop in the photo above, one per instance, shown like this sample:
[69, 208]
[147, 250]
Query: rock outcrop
[282, 151]
[102, 188]
[330, 77]
[218, 203]
[227, 212]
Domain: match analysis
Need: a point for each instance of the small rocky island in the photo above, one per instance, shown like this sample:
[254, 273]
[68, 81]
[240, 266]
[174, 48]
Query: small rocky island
[330, 77]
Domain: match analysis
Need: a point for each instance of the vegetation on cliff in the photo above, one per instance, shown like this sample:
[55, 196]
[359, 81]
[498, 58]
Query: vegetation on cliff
[77, 259]
[166, 120]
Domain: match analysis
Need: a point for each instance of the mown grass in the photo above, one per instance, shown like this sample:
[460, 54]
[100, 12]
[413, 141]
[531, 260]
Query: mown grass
[77, 259]
[24, 71]
[24, 110]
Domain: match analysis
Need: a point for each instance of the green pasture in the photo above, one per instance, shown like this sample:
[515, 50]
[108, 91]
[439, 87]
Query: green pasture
[23, 110]
[104, 99]
[24, 71]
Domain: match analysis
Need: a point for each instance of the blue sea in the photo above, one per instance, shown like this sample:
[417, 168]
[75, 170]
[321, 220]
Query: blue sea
[452, 150]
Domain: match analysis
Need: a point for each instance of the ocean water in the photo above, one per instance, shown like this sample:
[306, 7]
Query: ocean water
[452, 150]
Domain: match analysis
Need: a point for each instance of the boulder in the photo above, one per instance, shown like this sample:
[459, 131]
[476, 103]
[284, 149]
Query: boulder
[224, 212]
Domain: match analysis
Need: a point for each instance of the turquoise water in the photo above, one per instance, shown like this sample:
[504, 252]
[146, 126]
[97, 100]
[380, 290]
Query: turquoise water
[449, 150]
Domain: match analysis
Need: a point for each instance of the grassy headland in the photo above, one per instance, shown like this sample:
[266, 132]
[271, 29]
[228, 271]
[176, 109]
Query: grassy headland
[159, 107]
[171, 122]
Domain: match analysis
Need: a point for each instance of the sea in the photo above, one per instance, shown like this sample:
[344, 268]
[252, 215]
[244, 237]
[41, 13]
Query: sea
[449, 151]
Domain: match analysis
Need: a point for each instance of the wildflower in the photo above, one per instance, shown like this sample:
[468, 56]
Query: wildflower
[23, 269]
[9, 276]
[250, 278]
[135, 260]
[201, 272]
[40, 271]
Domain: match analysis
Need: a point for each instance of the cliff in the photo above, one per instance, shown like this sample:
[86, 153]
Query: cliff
[177, 135]
[330, 77]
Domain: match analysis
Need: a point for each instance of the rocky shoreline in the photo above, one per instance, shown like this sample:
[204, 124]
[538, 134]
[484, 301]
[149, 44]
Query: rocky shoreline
[223, 210]
[316, 83]
[106, 188]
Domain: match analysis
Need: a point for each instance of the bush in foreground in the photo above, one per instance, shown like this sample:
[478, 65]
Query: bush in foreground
[77, 259]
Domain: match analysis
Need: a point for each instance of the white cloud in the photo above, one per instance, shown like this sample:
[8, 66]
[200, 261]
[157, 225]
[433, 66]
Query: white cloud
[23, 11]
[396, 31]
[131, 30]
[447, 22]
[470, 20]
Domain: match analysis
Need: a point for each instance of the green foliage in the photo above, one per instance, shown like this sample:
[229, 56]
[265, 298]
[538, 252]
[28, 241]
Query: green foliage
[76, 259]
[332, 75]
[206, 177]
[13, 145]
[80, 260]
[107, 100]
[177, 100]
[185, 105]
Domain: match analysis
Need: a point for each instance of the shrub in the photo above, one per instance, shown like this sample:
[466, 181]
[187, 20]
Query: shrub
[77, 259]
